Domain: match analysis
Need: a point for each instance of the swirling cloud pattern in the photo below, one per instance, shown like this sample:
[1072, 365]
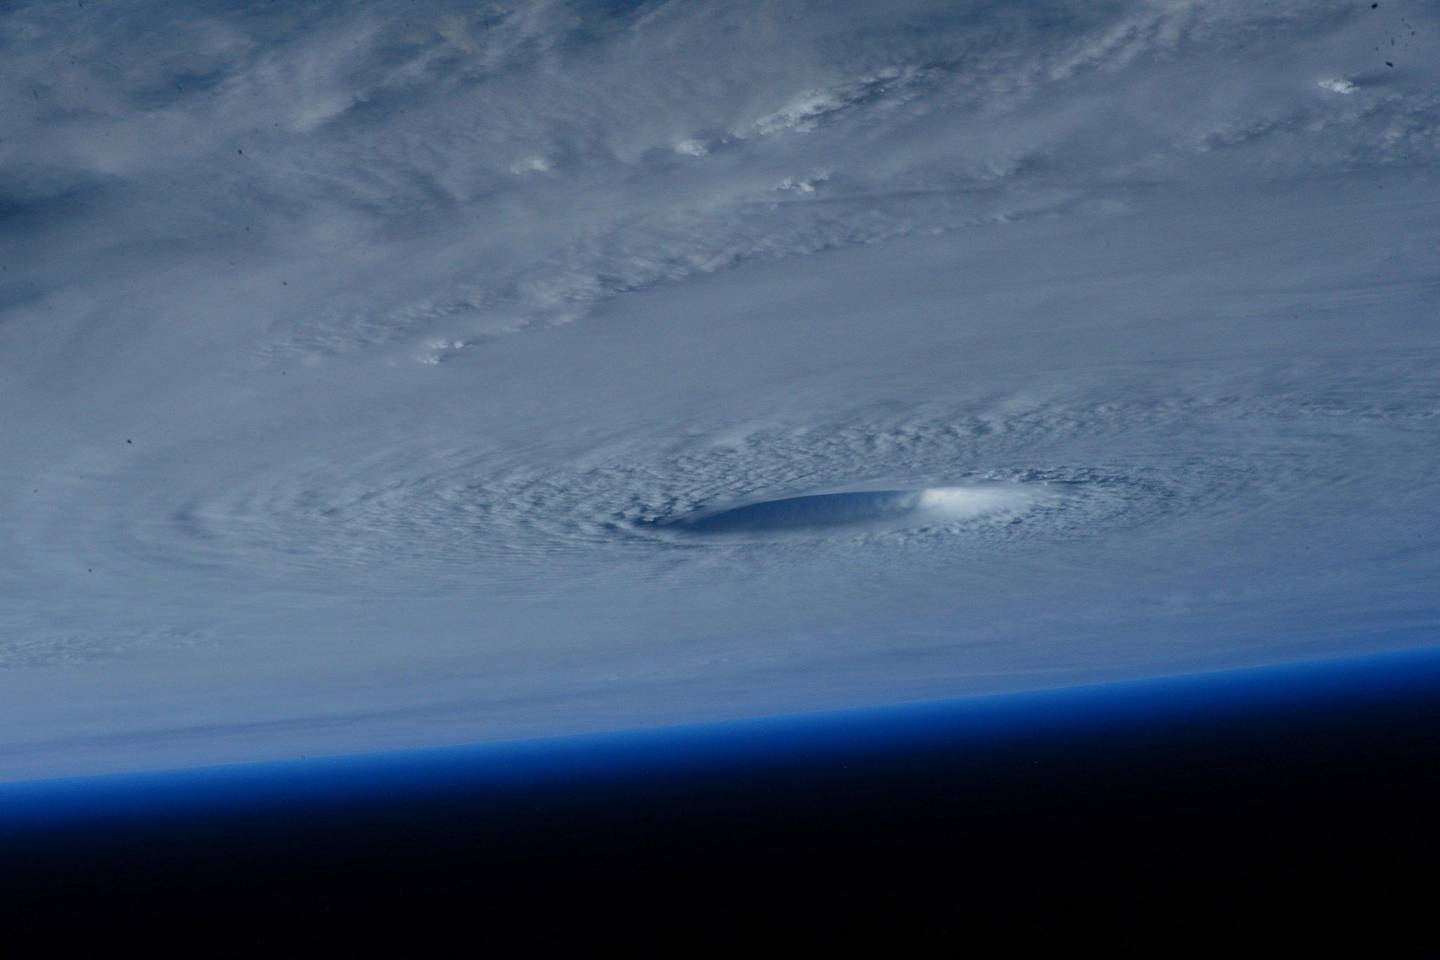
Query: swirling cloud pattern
[399, 373]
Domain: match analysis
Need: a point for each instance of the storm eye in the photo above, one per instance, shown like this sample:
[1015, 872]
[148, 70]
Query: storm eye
[860, 510]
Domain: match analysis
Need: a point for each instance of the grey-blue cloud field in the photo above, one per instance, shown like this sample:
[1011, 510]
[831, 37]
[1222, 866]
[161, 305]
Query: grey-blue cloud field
[379, 375]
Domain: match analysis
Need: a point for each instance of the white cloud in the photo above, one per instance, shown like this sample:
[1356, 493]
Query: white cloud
[421, 318]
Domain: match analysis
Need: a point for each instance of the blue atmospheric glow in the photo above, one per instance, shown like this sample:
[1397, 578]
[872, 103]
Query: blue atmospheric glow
[1090, 714]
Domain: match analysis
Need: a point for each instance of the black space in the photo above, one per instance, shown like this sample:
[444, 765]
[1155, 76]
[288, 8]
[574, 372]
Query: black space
[940, 828]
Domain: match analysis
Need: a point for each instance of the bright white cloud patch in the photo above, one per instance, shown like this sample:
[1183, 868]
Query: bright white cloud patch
[383, 374]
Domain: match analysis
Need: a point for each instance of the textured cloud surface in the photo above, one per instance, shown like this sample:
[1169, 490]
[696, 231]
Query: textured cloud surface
[386, 374]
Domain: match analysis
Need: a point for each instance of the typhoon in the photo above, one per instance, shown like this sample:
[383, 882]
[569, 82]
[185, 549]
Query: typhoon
[394, 374]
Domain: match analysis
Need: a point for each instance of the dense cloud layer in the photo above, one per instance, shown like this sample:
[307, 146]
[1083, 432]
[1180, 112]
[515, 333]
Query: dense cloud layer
[382, 374]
